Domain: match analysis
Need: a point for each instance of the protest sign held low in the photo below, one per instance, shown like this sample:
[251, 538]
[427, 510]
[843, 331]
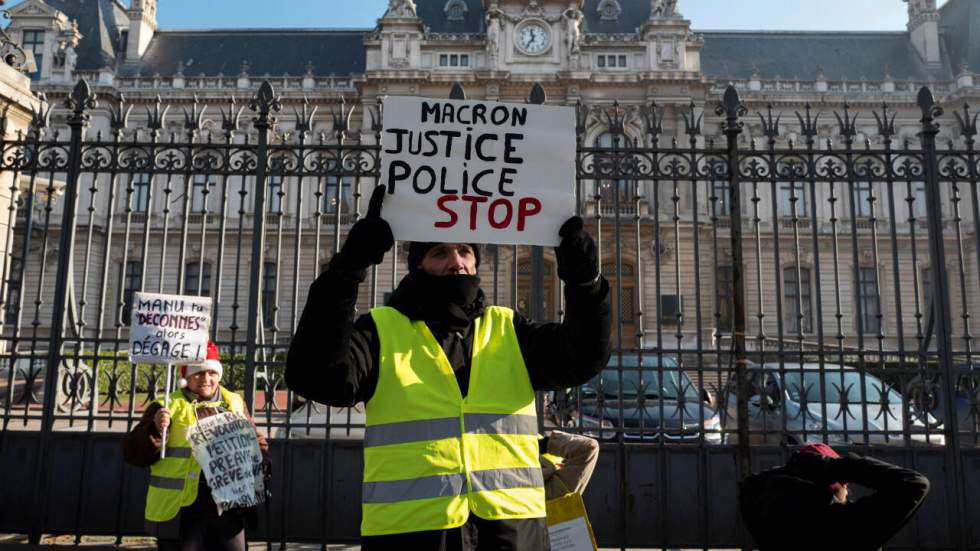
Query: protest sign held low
[225, 447]
[169, 329]
[477, 172]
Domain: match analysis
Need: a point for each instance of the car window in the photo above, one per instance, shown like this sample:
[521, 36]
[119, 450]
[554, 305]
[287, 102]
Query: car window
[649, 377]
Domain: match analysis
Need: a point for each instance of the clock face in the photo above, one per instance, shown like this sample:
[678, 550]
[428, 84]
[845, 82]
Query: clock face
[534, 38]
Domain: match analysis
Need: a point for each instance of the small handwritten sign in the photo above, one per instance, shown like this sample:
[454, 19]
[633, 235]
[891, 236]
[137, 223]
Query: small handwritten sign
[227, 450]
[169, 328]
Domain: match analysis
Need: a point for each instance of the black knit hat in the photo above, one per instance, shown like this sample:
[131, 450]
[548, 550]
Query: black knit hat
[418, 249]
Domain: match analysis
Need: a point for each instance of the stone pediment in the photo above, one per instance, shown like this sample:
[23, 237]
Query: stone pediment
[34, 8]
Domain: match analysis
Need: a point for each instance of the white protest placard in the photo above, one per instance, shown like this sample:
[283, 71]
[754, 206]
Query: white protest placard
[169, 329]
[225, 447]
[477, 171]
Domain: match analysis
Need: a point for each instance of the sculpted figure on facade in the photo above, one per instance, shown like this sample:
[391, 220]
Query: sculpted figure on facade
[401, 8]
[663, 8]
[917, 7]
[494, 30]
[573, 30]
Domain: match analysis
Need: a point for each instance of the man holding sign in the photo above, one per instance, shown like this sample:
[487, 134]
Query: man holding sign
[450, 449]
[188, 502]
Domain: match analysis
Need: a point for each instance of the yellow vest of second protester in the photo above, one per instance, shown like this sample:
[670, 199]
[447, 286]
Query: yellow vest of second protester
[431, 457]
[174, 478]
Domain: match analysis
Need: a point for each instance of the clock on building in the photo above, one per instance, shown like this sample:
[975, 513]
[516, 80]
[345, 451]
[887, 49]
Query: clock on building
[533, 37]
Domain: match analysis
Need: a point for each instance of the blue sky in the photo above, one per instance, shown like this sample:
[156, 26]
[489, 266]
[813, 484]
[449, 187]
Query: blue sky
[885, 15]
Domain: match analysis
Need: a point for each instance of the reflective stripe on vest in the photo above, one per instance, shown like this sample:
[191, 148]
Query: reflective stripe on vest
[431, 456]
[174, 478]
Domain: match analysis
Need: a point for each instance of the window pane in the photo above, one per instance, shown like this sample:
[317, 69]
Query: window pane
[622, 61]
[443, 60]
[454, 60]
[330, 202]
[601, 61]
[191, 279]
[14, 278]
[863, 199]
[919, 200]
[870, 305]
[797, 305]
[275, 195]
[201, 190]
[719, 199]
[792, 200]
[724, 296]
[131, 282]
[464, 60]
[269, 275]
[140, 199]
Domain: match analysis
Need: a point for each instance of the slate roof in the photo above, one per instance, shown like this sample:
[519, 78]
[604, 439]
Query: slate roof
[959, 22]
[433, 15]
[99, 21]
[790, 54]
[274, 52]
[634, 13]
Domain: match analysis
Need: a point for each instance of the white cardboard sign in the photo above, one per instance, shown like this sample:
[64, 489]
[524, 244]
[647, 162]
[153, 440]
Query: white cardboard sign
[225, 447]
[170, 329]
[477, 171]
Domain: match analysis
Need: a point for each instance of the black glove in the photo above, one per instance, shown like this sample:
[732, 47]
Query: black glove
[369, 239]
[543, 445]
[577, 254]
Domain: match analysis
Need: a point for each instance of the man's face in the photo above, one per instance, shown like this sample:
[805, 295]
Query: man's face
[204, 383]
[450, 259]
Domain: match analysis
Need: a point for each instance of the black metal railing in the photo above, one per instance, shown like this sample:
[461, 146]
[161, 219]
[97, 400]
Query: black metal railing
[768, 291]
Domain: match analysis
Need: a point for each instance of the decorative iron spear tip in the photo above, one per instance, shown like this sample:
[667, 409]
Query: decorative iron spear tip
[731, 107]
[692, 126]
[81, 98]
[770, 127]
[930, 110]
[968, 125]
[653, 119]
[265, 101]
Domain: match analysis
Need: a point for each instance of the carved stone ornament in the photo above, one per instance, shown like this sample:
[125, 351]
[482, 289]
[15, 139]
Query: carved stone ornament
[456, 10]
[401, 8]
[609, 10]
[663, 9]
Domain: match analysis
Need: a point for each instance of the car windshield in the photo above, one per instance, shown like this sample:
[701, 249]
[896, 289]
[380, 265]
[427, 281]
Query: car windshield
[651, 378]
[836, 383]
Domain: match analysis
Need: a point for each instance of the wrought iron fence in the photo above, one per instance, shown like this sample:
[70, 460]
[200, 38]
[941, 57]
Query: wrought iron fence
[775, 282]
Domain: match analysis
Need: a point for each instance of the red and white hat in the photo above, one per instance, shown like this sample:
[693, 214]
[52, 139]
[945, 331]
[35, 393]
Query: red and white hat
[212, 363]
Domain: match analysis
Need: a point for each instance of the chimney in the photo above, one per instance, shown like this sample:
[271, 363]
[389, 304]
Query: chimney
[142, 25]
[923, 29]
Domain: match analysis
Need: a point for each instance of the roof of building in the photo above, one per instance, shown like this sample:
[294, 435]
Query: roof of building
[959, 22]
[99, 22]
[433, 15]
[632, 15]
[801, 54]
[272, 52]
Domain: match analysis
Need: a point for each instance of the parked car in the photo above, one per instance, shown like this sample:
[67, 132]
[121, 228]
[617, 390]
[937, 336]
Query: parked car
[650, 397]
[793, 403]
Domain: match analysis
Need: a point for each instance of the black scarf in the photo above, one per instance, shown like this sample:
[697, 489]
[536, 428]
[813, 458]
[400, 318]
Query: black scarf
[445, 303]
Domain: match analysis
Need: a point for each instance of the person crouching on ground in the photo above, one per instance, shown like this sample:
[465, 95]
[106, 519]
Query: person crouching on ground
[180, 511]
[805, 505]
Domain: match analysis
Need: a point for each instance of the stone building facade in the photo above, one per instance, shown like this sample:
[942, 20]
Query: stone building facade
[673, 255]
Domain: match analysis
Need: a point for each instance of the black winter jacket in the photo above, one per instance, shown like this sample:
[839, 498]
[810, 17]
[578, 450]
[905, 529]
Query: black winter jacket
[333, 359]
[791, 507]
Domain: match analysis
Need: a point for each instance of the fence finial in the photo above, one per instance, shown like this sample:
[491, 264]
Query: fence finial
[731, 107]
[930, 111]
[81, 98]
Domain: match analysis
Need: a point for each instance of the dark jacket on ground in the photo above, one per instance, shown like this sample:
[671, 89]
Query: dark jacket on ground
[792, 507]
[141, 448]
[333, 359]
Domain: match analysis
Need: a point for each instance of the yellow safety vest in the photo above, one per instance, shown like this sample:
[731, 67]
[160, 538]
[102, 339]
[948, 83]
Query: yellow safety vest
[430, 455]
[174, 478]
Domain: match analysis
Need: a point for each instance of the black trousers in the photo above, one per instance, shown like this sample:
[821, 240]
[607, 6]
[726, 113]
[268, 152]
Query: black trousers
[476, 535]
[208, 532]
